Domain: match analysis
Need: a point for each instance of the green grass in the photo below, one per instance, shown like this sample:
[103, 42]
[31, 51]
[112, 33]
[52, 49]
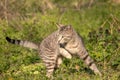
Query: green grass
[99, 26]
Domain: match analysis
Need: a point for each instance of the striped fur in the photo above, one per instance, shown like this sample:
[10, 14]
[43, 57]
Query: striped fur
[49, 51]
[23, 43]
[72, 42]
[62, 43]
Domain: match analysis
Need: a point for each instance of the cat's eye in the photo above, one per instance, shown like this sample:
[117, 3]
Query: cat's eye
[67, 37]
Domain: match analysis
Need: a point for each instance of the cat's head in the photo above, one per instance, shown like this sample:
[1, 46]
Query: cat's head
[65, 34]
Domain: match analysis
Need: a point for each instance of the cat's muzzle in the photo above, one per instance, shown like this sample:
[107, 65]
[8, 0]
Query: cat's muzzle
[62, 45]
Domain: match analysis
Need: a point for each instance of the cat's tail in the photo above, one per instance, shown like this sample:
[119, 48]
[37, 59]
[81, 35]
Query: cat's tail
[23, 43]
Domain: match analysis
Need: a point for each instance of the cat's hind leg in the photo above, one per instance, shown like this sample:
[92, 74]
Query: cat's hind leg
[50, 63]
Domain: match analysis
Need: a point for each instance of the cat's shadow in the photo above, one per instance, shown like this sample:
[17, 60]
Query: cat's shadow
[89, 71]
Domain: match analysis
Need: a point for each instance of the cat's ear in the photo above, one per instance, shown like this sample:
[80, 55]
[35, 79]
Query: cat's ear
[70, 26]
[59, 25]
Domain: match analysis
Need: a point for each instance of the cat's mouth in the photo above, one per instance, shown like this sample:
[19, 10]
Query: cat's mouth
[62, 45]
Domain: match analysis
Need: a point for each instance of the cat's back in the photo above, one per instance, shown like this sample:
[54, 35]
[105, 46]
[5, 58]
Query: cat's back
[50, 42]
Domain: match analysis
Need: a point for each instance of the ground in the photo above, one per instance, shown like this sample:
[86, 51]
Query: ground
[98, 23]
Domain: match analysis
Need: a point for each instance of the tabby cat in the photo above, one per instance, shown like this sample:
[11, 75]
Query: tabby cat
[64, 42]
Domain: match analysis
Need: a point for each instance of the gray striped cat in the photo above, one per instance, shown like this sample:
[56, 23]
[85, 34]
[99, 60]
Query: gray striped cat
[64, 42]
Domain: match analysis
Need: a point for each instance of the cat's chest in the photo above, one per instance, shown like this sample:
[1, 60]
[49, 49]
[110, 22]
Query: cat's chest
[72, 48]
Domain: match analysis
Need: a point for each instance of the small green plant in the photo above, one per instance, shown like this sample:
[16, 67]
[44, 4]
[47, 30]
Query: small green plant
[99, 25]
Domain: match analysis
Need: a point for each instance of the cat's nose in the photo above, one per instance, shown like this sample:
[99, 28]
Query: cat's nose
[62, 45]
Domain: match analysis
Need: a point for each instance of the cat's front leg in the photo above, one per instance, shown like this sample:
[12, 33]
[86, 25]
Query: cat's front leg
[59, 61]
[65, 53]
